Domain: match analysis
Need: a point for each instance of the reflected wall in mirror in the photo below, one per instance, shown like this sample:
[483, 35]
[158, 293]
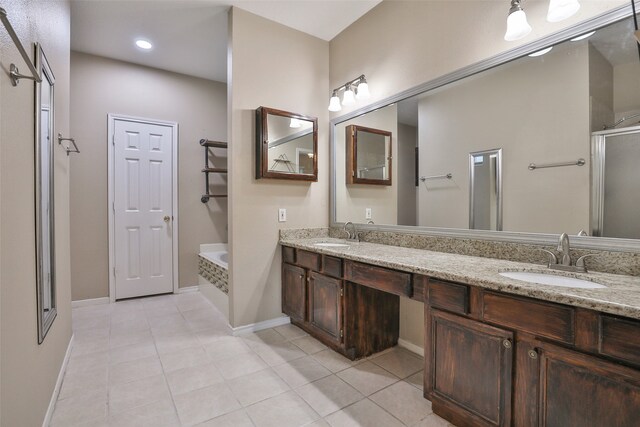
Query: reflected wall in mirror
[286, 145]
[485, 190]
[44, 164]
[368, 155]
[540, 110]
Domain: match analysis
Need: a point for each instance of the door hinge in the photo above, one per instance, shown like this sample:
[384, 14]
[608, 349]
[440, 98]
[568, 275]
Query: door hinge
[341, 333]
[341, 292]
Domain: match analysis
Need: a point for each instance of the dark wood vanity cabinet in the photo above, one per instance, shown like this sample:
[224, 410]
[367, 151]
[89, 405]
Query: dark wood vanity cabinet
[493, 359]
[350, 317]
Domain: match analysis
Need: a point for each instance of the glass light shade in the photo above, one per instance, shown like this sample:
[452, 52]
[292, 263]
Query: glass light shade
[562, 9]
[144, 44]
[517, 26]
[334, 104]
[582, 37]
[541, 52]
[363, 91]
[295, 123]
[349, 98]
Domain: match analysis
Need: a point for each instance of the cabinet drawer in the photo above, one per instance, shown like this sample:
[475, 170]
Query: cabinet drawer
[384, 279]
[288, 255]
[619, 338]
[308, 259]
[448, 296]
[332, 266]
[539, 318]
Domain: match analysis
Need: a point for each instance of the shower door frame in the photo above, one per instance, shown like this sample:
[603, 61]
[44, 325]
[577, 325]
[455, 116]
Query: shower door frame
[598, 153]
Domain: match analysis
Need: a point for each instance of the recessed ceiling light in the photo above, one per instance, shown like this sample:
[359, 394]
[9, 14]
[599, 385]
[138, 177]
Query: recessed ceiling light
[582, 37]
[541, 52]
[144, 44]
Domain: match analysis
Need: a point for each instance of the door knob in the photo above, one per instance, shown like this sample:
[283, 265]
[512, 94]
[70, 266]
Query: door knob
[166, 218]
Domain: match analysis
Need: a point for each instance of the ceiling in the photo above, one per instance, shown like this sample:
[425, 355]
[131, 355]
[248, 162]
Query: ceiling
[190, 37]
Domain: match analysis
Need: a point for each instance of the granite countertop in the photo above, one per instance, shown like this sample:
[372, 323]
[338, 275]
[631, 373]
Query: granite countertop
[621, 297]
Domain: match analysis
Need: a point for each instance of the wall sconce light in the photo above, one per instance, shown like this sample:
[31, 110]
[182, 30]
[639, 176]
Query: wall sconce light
[295, 123]
[349, 96]
[518, 27]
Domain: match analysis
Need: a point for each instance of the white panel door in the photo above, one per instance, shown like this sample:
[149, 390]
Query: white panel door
[143, 211]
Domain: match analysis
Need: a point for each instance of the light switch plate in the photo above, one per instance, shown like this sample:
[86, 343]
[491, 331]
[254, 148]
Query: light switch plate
[367, 213]
[282, 215]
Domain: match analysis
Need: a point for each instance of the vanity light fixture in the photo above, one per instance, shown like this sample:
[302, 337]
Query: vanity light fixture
[559, 10]
[517, 25]
[144, 44]
[349, 96]
[582, 37]
[541, 52]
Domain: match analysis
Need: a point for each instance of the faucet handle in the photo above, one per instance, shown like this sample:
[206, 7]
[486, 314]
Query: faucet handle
[580, 262]
[553, 258]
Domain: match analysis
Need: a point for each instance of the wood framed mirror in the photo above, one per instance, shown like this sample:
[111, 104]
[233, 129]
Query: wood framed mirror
[368, 155]
[286, 145]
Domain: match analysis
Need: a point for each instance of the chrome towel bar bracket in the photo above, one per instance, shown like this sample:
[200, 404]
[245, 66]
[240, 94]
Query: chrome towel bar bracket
[68, 148]
[14, 73]
[447, 176]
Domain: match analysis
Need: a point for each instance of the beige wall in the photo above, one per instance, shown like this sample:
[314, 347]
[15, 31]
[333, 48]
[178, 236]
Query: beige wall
[100, 86]
[600, 90]
[28, 371]
[353, 199]
[626, 90]
[272, 66]
[544, 120]
[401, 44]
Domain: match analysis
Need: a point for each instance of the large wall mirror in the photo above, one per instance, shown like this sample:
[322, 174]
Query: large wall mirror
[542, 105]
[286, 145]
[44, 168]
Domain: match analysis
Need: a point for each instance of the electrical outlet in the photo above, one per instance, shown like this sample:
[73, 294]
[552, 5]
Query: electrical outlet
[367, 213]
[282, 215]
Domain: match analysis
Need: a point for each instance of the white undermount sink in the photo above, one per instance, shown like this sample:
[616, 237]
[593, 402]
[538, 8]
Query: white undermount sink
[331, 245]
[551, 279]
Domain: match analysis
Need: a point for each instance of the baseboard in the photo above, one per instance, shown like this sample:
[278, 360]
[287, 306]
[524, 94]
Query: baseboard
[411, 347]
[92, 301]
[56, 390]
[255, 327]
[188, 289]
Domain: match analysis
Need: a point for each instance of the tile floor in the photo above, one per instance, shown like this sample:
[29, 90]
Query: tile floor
[172, 361]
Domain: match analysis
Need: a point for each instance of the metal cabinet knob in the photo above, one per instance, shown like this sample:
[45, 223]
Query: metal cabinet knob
[166, 218]
[533, 354]
[506, 343]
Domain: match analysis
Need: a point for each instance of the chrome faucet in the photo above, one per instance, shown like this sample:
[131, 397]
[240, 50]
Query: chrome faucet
[563, 261]
[351, 235]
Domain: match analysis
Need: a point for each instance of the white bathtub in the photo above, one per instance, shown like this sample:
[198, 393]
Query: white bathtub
[216, 253]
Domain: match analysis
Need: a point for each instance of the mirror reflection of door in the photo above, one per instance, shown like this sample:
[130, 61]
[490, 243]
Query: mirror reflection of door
[485, 188]
[304, 158]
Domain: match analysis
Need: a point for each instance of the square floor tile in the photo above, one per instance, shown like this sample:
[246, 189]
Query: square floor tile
[434, 421]
[363, 414]
[290, 331]
[131, 352]
[87, 362]
[278, 354]
[400, 362]
[92, 346]
[262, 338]
[301, 371]
[83, 382]
[211, 335]
[204, 404]
[226, 347]
[185, 358]
[172, 343]
[78, 409]
[261, 385]
[309, 345]
[328, 395]
[367, 377]
[193, 378]
[158, 414]
[285, 410]
[333, 361]
[237, 366]
[134, 370]
[416, 380]
[137, 393]
[404, 402]
[125, 338]
[234, 419]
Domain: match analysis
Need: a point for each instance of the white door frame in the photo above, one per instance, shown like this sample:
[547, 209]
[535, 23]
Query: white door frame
[111, 118]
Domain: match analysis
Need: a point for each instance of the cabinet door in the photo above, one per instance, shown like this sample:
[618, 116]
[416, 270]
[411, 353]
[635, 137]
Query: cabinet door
[294, 292]
[580, 390]
[469, 371]
[325, 306]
